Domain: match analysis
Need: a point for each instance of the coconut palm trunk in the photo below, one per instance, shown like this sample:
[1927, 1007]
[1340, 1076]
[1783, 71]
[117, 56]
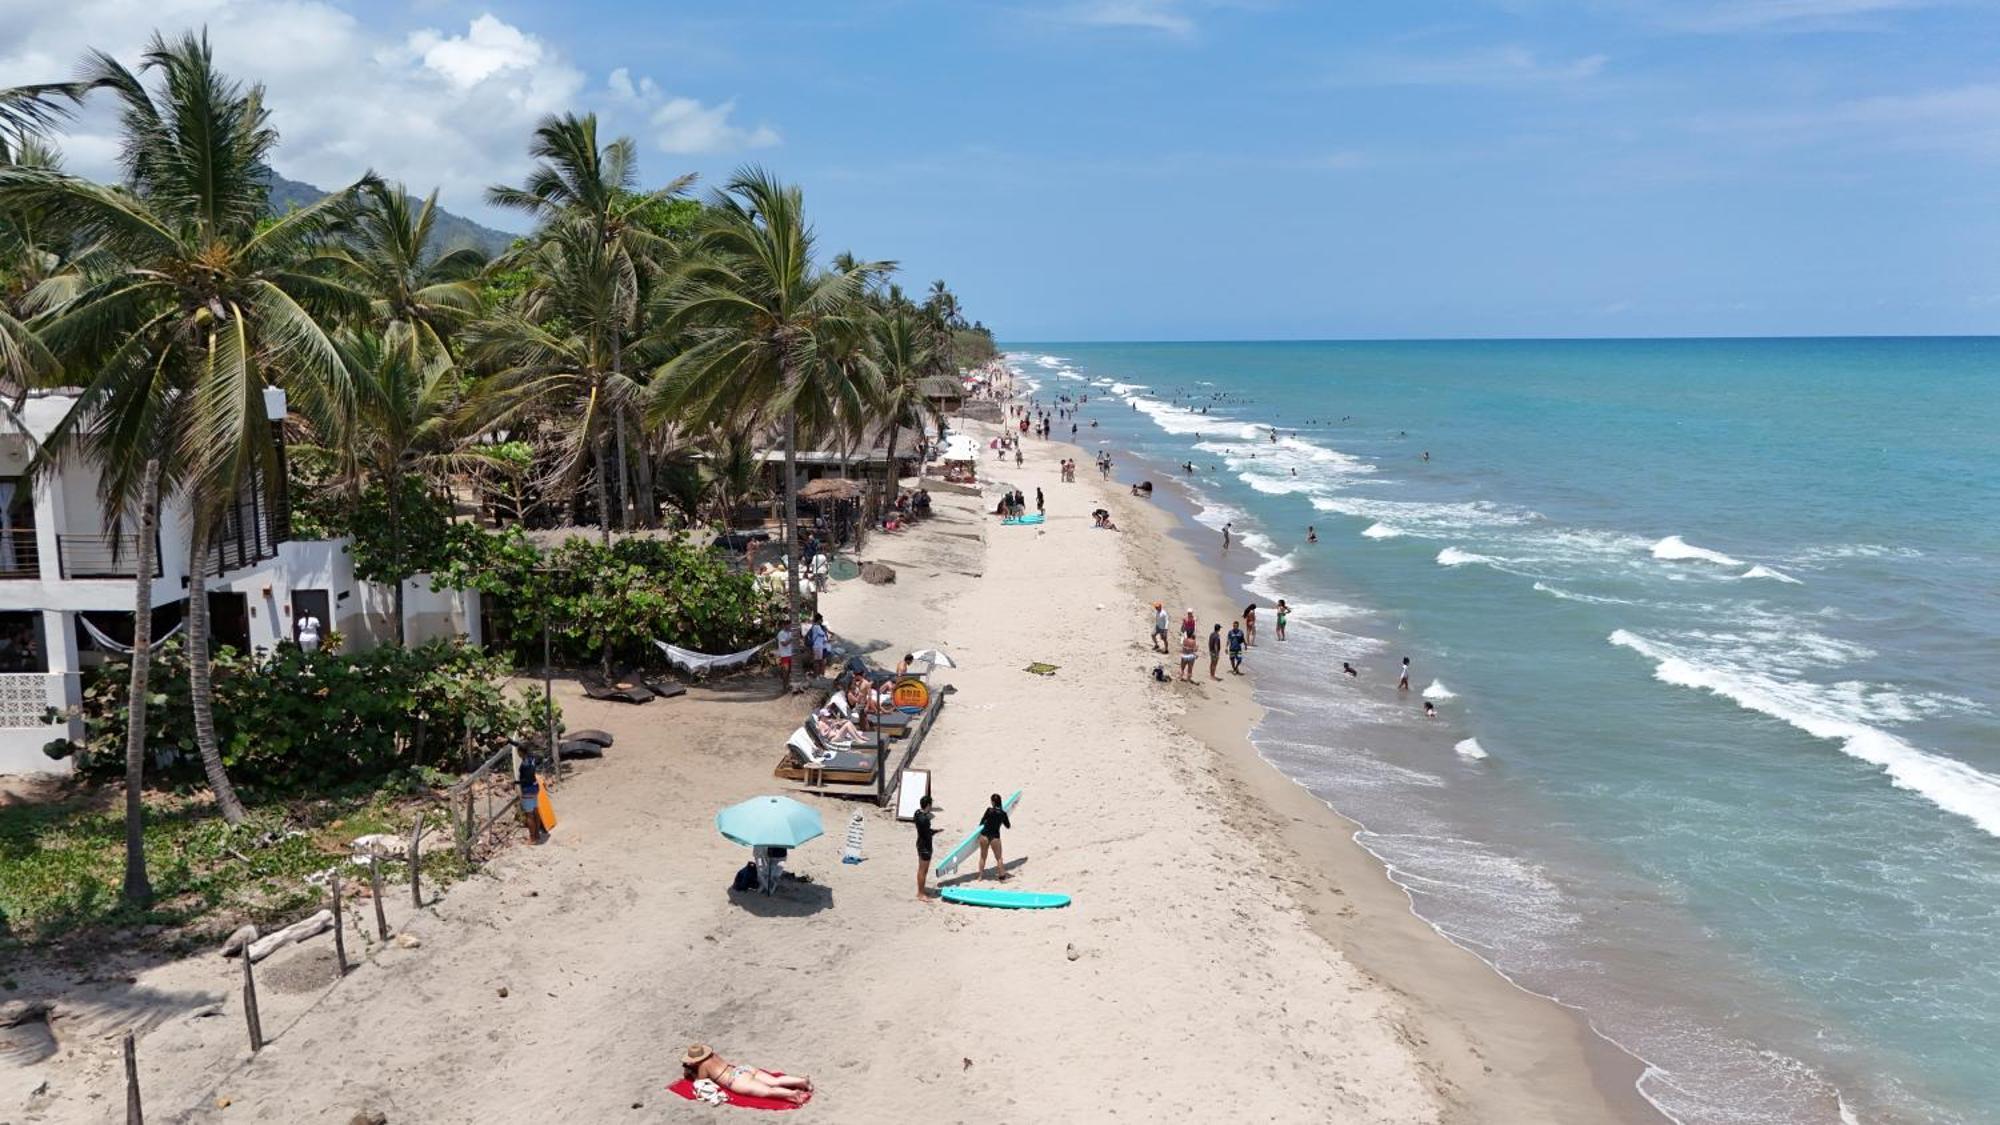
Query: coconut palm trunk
[792, 515]
[396, 546]
[201, 685]
[138, 888]
[603, 488]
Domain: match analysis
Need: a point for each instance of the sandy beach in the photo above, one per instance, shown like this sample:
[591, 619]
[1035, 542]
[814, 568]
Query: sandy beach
[1230, 954]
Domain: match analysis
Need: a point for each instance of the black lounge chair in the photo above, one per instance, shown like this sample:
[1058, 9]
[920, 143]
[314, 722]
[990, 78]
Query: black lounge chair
[575, 749]
[601, 737]
[622, 689]
[664, 687]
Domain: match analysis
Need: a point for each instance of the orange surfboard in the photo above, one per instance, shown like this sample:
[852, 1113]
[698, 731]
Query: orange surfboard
[545, 810]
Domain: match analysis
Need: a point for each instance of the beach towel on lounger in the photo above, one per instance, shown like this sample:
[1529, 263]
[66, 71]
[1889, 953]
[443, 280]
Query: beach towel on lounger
[745, 1101]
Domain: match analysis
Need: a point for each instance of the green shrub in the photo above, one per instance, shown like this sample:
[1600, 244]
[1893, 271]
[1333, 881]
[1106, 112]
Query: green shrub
[626, 595]
[292, 720]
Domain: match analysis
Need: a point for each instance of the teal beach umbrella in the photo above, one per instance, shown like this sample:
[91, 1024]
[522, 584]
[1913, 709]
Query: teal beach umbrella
[771, 822]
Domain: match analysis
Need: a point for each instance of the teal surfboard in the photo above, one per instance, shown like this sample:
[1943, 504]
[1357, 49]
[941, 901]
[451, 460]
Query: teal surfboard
[1036, 518]
[957, 855]
[1005, 900]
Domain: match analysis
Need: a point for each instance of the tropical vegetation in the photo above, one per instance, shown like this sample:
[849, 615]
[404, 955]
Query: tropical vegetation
[624, 364]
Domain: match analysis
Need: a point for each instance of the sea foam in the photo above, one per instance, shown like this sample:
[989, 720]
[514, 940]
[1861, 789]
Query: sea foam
[1831, 714]
[1675, 549]
[1453, 556]
[1470, 750]
[1381, 531]
[1767, 572]
[1437, 690]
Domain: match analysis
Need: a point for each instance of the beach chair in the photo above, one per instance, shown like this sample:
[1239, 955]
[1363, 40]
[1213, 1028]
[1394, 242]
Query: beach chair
[894, 724]
[619, 689]
[810, 761]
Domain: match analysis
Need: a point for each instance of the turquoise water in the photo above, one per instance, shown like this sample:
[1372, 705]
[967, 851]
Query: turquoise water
[1712, 634]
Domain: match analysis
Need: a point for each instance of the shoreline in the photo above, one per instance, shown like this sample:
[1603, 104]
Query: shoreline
[1505, 1051]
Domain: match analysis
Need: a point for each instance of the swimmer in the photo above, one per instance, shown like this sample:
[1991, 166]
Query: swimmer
[1430, 712]
[1347, 669]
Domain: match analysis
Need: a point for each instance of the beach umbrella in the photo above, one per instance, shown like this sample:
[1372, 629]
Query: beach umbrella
[769, 822]
[936, 656]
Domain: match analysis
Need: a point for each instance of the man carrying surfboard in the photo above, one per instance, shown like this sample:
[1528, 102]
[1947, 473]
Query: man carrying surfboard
[990, 823]
[924, 833]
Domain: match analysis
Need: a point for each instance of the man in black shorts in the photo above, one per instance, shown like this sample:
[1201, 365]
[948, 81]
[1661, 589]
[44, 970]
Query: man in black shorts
[924, 834]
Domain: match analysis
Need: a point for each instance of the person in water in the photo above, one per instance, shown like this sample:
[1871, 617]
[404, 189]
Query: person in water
[702, 1063]
[1284, 611]
[1403, 684]
[1250, 624]
[990, 823]
[1430, 712]
[1347, 670]
[1312, 536]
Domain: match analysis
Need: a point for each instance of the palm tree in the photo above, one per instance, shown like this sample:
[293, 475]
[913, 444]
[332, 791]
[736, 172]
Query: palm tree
[903, 359]
[577, 183]
[757, 315]
[555, 351]
[411, 421]
[418, 297]
[210, 301]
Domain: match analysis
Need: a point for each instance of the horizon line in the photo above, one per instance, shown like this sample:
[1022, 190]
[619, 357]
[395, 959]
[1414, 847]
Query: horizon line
[1005, 344]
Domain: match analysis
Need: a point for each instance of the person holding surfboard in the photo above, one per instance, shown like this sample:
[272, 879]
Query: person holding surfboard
[925, 831]
[990, 823]
[531, 800]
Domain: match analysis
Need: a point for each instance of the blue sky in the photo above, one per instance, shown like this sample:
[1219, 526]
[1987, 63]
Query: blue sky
[1155, 169]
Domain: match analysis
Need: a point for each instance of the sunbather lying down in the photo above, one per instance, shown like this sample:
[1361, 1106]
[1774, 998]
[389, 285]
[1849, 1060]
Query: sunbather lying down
[700, 1063]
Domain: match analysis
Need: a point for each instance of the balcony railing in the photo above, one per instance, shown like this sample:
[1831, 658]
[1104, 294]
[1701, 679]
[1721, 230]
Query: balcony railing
[102, 556]
[20, 558]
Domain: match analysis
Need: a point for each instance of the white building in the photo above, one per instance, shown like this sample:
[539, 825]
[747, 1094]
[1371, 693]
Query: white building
[65, 576]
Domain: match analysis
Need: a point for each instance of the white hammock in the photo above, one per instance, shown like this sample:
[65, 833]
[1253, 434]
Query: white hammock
[701, 664]
[107, 644]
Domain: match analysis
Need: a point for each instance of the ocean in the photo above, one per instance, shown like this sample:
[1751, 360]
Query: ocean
[1712, 634]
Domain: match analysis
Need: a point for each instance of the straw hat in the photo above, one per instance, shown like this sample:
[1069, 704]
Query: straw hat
[696, 1055]
[1159, 605]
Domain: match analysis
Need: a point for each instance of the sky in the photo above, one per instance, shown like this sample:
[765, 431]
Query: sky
[1209, 169]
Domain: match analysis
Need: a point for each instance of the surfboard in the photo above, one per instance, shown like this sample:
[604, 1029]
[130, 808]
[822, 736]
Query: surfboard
[1004, 900]
[957, 855]
[1016, 520]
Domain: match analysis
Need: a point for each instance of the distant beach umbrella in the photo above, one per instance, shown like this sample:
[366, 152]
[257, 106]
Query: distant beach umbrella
[769, 822]
[936, 656]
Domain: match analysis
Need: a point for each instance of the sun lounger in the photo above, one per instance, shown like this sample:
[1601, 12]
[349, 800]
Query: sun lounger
[809, 760]
[664, 688]
[588, 734]
[892, 723]
[620, 689]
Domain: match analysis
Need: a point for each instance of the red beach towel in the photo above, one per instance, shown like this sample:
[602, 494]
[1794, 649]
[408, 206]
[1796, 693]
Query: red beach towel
[685, 1089]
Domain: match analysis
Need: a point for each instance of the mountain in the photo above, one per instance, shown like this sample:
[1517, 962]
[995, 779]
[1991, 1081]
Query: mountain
[451, 231]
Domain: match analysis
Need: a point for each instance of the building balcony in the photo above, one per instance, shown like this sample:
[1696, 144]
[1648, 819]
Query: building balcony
[102, 556]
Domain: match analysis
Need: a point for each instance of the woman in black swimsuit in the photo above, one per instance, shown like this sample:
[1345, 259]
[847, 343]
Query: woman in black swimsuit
[924, 834]
[990, 823]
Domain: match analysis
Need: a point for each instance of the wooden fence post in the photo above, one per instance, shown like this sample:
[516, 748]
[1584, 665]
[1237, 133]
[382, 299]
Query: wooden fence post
[250, 1005]
[375, 884]
[471, 823]
[134, 1114]
[339, 924]
[416, 868]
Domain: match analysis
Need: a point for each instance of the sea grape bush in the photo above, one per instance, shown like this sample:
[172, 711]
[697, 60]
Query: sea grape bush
[291, 720]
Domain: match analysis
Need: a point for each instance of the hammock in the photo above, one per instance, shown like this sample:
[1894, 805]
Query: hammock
[107, 644]
[701, 664]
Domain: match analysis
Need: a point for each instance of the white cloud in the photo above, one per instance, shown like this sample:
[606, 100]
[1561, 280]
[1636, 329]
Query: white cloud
[1788, 15]
[1506, 65]
[445, 107]
[1153, 15]
[1959, 119]
[684, 126]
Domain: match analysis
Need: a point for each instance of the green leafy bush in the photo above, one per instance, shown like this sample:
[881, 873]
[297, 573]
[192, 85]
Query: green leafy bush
[589, 595]
[292, 720]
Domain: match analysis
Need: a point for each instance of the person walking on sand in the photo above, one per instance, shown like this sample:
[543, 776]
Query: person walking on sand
[1160, 627]
[990, 823]
[1403, 684]
[1250, 624]
[785, 652]
[1188, 647]
[924, 833]
[531, 800]
[1189, 626]
[1214, 650]
[817, 640]
[1038, 499]
[1225, 536]
[1284, 611]
[1236, 649]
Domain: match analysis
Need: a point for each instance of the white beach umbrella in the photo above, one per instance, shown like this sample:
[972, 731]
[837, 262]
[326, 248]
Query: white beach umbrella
[935, 656]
